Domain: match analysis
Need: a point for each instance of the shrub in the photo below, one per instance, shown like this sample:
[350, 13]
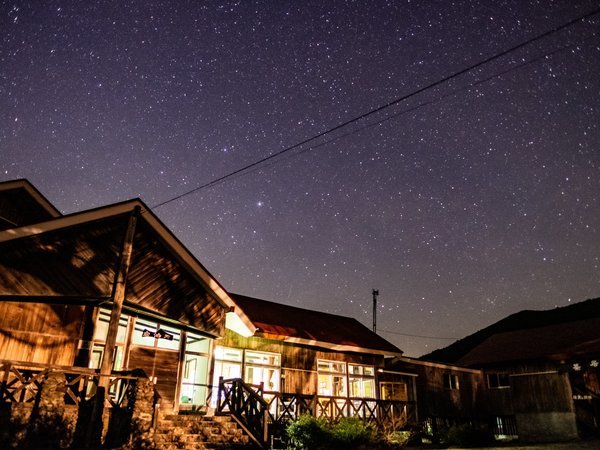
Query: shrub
[400, 438]
[308, 433]
[351, 432]
[468, 435]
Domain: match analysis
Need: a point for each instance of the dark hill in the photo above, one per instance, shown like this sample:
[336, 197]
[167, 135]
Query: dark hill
[519, 321]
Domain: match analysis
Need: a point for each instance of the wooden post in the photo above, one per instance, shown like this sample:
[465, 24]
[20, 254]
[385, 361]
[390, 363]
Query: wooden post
[118, 296]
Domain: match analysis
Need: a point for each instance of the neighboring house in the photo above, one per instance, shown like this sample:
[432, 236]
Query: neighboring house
[541, 371]
[546, 378]
[446, 394]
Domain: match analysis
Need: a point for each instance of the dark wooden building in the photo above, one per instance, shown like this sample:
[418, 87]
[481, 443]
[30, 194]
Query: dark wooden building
[446, 394]
[546, 378]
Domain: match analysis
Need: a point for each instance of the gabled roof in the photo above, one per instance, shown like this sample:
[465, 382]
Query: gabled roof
[519, 321]
[22, 204]
[570, 340]
[308, 327]
[74, 257]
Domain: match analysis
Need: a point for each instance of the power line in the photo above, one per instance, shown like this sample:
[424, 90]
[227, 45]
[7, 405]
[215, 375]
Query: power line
[383, 107]
[420, 335]
[427, 103]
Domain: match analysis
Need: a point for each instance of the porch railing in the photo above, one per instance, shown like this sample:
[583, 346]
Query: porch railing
[247, 406]
[20, 382]
[261, 412]
[384, 414]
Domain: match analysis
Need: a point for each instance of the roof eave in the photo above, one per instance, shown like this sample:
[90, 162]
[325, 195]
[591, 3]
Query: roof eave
[330, 345]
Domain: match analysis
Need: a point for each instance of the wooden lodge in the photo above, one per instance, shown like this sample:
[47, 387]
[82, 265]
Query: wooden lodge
[58, 280]
[112, 290]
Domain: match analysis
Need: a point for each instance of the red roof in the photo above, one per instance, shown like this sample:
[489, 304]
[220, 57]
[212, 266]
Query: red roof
[294, 324]
[576, 339]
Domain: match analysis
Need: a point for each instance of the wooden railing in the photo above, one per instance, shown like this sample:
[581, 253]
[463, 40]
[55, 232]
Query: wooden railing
[247, 406]
[260, 412]
[384, 414]
[20, 382]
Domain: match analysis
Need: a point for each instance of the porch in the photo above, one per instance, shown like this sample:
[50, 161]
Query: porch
[264, 414]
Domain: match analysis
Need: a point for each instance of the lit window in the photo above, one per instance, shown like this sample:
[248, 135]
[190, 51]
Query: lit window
[101, 329]
[332, 378]
[151, 334]
[262, 368]
[361, 381]
[394, 391]
[228, 354]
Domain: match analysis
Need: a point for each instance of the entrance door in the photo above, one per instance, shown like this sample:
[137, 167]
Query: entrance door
[194, 389]
[228, 364]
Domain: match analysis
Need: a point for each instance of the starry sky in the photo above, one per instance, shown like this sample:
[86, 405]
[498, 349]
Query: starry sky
[465, 203]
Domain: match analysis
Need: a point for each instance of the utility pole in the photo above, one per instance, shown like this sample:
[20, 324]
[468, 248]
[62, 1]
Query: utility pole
[375, 294]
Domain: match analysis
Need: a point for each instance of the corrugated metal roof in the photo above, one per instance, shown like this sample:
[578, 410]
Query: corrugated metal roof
[577, 339]
[291, 323]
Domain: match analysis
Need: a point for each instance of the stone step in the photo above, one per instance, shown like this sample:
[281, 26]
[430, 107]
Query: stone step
[198, 432]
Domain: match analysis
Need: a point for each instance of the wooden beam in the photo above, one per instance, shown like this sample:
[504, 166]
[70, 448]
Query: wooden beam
[118, 296]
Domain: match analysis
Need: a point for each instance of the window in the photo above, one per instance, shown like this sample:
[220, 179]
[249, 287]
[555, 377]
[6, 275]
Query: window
[258, 367]
[450, 381]
[332, 378]
[152, 334]
[99, 340]
[361, 381]
[394, 391]
[498, 380]
[262, 367]
[228, 364]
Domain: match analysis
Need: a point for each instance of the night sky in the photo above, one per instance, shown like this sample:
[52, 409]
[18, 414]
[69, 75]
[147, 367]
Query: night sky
[481, 202]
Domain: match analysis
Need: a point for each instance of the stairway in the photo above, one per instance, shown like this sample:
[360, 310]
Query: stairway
[199, 432]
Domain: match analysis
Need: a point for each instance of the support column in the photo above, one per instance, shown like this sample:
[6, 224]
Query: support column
[118, 296]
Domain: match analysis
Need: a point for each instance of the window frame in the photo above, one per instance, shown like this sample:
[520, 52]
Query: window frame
[502, 380]
[451, 381]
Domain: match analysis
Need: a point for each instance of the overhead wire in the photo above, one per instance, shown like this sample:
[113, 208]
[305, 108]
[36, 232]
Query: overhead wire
[420, 105]
[385, 106]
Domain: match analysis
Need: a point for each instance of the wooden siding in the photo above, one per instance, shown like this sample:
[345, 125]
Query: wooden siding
[536, 393]
[80, 261]
[76, 261]
[162, 364]
[159, 282]
[298, 362]
[40, 333]
[436, 400]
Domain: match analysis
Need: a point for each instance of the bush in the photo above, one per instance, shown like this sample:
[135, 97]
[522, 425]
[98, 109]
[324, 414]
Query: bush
[351, 432]
[468, 435]
[400, 438]
[308, 433]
